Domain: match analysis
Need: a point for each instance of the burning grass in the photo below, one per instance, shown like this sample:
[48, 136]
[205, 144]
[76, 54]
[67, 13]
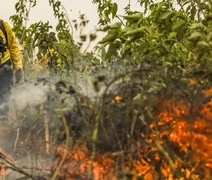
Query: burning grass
[176, 144]
[127, 136]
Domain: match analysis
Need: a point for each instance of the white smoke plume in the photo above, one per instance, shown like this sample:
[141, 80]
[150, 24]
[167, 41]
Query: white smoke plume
[34, 93]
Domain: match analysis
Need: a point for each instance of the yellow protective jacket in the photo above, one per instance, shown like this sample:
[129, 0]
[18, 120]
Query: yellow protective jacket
[13, 52]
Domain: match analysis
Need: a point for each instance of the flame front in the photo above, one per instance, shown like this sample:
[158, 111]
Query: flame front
[187, 130]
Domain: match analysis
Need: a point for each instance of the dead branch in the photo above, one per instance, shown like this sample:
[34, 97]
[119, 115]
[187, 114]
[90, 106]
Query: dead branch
[10, 165]
[66, 146]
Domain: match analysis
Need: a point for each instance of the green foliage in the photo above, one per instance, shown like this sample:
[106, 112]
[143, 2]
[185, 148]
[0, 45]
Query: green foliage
[165, 33]
[106, 11]
[40, 35]
[63, 24]
[21, 17]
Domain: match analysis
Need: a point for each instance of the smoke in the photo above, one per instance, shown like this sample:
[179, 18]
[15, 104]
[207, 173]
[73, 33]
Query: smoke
[31, 93]
[3, 108]
[27, 94]
[35, 93]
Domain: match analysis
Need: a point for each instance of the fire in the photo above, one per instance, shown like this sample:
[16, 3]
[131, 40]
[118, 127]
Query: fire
[3, 163]
[117, 99]
[78, 164]
[191, 134]
[188, 131]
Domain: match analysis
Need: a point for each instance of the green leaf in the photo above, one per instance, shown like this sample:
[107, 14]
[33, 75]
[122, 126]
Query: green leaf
[161, 5]
[126, 29]
[203, 5]
[134, 17]
[83, 37]
[110, 37]
[111, 51]
[114, 10]
[210, 36]
[197, 26]
[172, 35]
[133, 25]
[178, 26]
[203, 44]
[103, 29]
[92, 37]
[116, 25]
[195, 35]
[167, 15]
[140, 30]
[34, 3]
[186, 2]
[193, 12]
[189, 55]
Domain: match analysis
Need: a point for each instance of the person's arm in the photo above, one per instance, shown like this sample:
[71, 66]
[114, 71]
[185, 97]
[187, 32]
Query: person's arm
[13, 48]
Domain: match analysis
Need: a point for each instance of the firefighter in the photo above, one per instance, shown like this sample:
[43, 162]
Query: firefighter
[10, 61]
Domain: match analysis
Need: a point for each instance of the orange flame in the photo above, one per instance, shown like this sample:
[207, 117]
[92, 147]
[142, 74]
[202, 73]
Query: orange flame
[190, 131]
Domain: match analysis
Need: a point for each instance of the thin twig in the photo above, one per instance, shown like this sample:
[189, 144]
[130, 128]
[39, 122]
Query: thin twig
[46, 130]
[17, 138]
[14, 167]
[120, 20]
[66, 146]
[94, 138]
[66, 14]
[166, 154]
